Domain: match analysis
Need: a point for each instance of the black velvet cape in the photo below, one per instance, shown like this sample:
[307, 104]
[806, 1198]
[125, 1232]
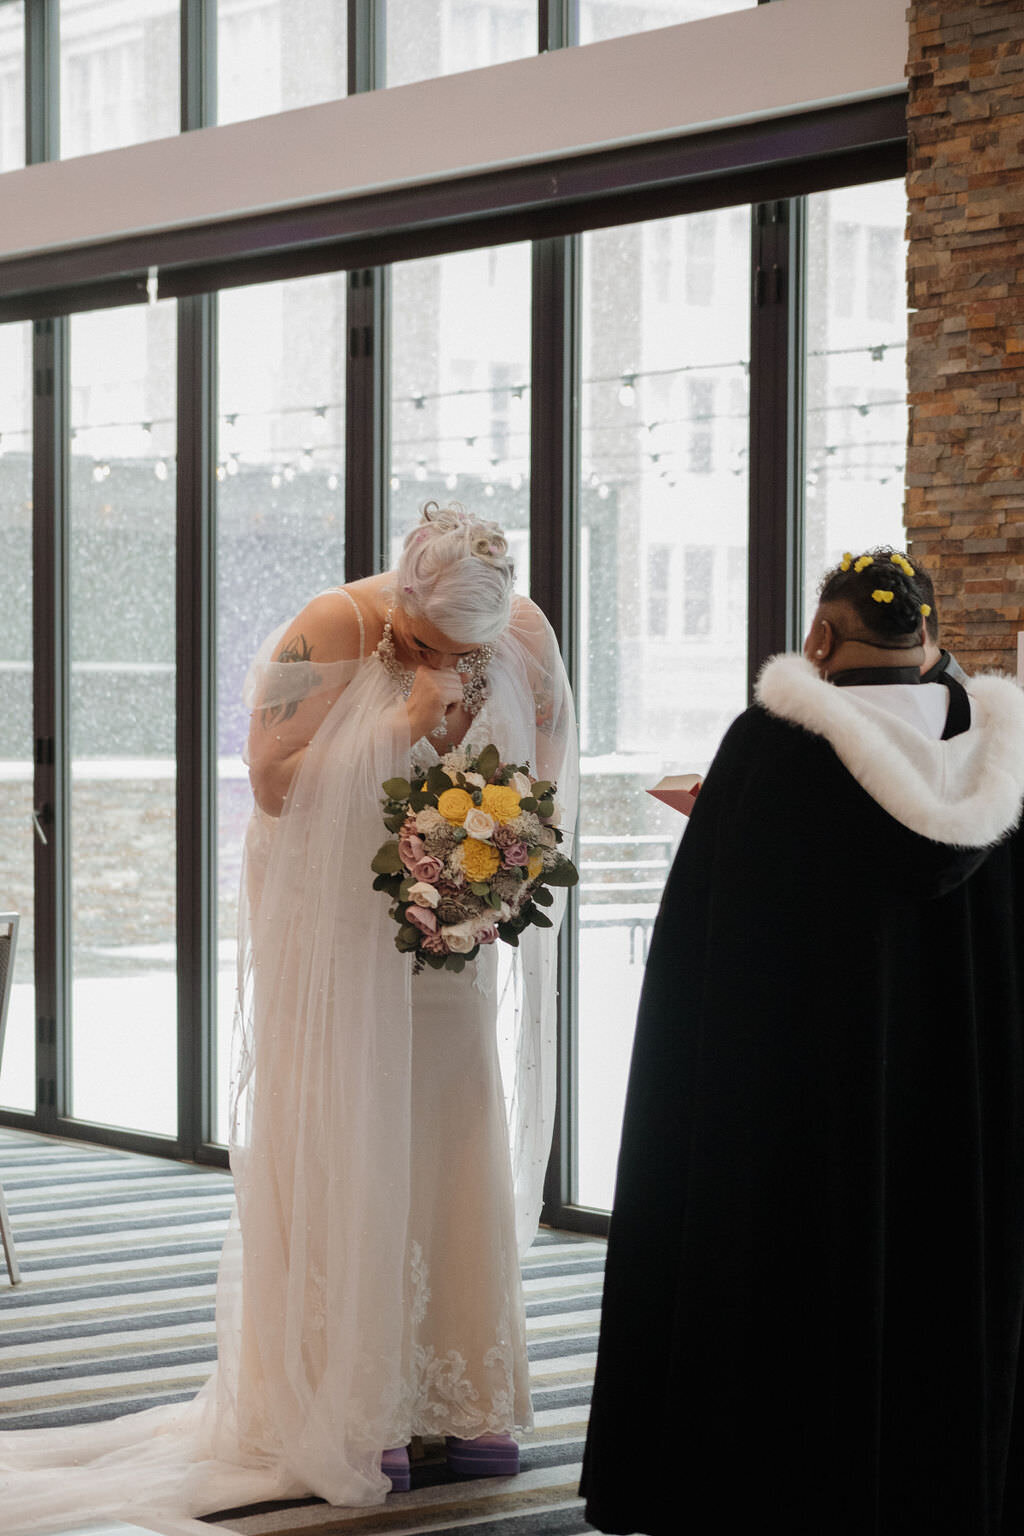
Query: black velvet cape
[815, 1284]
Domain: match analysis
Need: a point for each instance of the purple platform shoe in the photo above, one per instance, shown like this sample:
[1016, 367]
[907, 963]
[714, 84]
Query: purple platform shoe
[395, 1464]
[487, 1456]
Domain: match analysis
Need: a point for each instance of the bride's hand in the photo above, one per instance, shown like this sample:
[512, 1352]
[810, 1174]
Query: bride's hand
[433, 694]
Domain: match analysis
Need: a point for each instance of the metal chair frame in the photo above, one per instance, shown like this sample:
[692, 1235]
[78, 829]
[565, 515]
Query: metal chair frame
[8, 949]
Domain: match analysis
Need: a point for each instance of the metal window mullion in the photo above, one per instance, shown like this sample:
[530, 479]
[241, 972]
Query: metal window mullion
[553, 586]
[367, 349]
[50, 614]
[195, 696]
[51, 717]
[198, 36]
[776, 417]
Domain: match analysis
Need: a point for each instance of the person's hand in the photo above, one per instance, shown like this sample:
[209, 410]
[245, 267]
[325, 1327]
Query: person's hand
[433, 694]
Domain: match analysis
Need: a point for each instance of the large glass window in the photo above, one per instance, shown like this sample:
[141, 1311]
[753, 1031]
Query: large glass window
[460, 413]
[280, 531]
[663, 601]
[426, 38]
[12, 84]
[118, 72]
[124, 1020]
[600, 19]
[273, 55]
[856, 423]
[17, 1082]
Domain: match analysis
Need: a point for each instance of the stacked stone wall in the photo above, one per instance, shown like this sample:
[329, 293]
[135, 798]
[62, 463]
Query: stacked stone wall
[965, 469]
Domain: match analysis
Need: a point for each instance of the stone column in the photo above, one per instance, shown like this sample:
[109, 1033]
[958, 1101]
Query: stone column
[965, 363]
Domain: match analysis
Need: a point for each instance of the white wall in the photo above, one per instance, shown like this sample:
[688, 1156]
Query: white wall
[743, 66]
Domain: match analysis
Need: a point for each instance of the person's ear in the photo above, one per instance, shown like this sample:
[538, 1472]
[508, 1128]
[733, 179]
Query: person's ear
[820, 642]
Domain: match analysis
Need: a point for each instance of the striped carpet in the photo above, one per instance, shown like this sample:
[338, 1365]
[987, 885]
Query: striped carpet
[115, 1313]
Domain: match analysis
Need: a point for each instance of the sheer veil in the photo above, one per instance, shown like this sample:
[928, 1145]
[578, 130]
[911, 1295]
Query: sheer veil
[312, 1381]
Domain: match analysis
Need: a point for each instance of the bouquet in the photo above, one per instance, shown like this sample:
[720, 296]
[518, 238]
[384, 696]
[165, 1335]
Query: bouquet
[473, 852]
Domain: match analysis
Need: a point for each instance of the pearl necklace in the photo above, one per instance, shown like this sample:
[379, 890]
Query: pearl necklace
[473, 668]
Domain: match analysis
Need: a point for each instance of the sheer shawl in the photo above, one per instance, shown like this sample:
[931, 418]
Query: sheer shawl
[313, 1376]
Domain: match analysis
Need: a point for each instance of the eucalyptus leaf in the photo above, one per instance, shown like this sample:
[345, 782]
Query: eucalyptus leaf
[543, 896]
[540, 919]
[438, 780]
[563, 874]
[488, 761]
[386, 860]
[528, 803]
[542, 789]
[455, 962]
[419, 799]
[409, 935]
[508, 934]
[480, 888]
[545, 808]
[436, 962]
[493, 900]
[395, 822]
[397, 789]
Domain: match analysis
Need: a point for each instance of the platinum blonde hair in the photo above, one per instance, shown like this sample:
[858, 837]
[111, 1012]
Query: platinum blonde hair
[455, 571]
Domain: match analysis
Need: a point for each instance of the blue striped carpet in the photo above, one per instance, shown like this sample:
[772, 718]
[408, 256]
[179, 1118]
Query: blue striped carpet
[115, 1313]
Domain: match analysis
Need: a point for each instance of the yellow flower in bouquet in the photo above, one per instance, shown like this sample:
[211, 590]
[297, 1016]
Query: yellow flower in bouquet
[534, 866]
[453, 805]
[500, 801]
[479, 860]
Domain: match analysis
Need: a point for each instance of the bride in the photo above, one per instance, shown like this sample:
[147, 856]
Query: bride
[389, 1132]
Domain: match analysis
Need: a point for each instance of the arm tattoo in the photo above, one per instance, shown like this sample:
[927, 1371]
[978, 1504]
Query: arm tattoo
[296, 649]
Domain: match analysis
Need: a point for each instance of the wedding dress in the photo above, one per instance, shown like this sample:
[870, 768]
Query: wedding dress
[389, 1140]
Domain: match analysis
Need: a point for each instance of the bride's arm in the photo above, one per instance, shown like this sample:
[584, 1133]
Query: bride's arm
[327, 630]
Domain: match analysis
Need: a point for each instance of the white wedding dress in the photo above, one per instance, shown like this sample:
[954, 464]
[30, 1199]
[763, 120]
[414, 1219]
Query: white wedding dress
[389, 1141]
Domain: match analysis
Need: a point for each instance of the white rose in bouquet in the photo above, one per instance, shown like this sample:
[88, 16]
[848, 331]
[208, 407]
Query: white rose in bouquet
[429, 819]
[521, 784]
[476, 779]
[460, 937]
[424, 895]
[479, 824]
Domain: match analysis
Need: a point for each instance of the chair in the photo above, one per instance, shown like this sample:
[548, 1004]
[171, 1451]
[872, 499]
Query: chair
[8, 945]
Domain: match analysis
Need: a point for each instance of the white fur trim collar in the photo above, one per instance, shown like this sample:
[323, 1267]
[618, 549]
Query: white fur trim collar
[966, 792]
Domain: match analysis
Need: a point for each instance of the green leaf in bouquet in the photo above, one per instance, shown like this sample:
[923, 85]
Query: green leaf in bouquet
[538, 918]
[409, 935]
[528, 803]
[395, 821]
[508, 934]
[436, 962]
[564, 873]
[543, 896]
[545, 808]
[477, 796]
[494, 900]
[397, 789]
[385, 882]
[405, 887]
[489, 760]
[480, 888]
[386, 860]
[420, 799]
[542, 789]
[438, 780]
[460, 834]
[455, 962]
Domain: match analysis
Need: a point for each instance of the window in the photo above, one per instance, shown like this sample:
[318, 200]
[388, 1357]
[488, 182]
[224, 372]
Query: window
[12, 84]
[273, 55]
[651, 702]
[600, 19]
[17, 1082]
[119, 73]
[426, 39]
[856, 423]
[123, 719]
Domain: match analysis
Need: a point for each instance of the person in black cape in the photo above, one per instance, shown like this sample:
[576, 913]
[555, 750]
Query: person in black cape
[815, 1280]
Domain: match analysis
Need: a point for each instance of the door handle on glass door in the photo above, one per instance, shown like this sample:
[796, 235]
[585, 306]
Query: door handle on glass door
[37, 821]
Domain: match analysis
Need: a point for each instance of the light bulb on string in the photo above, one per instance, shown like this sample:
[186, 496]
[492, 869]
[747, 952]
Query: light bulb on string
[275, 480]
[421, 469]
[232, 464]
[320, 420]
[604, 491]
[394, 482]
[451, 481]
[306, 460]
[332, 482]
[627, 390]
[289, 472]
[160, 469]
[488, 490]
[221, 472]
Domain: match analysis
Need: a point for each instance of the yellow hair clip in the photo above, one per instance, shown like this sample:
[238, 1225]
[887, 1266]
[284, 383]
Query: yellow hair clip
[926, 609]
[882, 597]
[846, 561]
[863, 563]
[902, 563]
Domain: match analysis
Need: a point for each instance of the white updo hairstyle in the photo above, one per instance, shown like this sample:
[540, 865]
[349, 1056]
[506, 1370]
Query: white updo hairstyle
[456, 572]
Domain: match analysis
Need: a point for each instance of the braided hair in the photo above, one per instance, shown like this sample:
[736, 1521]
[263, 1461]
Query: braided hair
[885, 592]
